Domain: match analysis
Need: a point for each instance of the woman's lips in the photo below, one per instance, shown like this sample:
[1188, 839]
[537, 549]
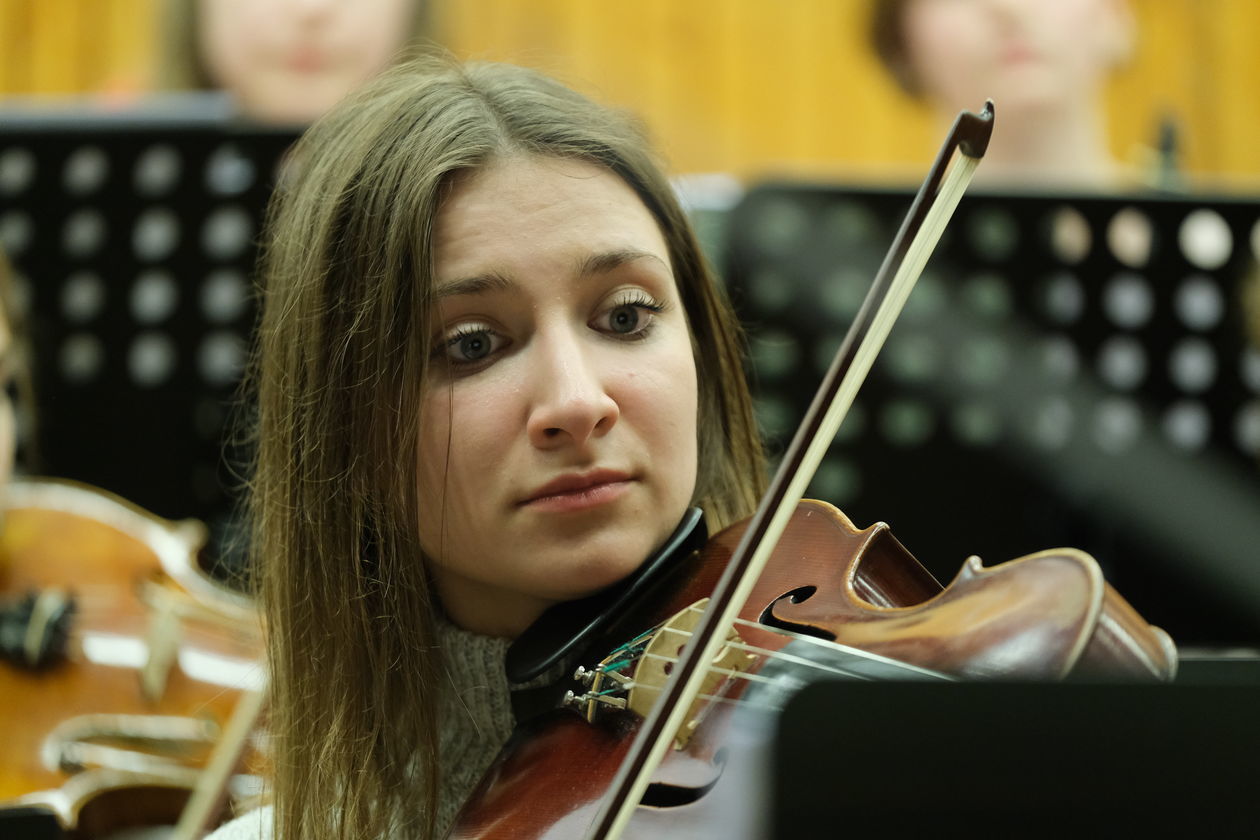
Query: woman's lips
[578, 500]
[570, 496]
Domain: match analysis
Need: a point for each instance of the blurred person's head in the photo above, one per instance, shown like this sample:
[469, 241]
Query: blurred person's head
[1044, 63]
[284, 61]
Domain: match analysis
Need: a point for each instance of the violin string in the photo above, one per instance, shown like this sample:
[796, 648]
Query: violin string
[94, 601]
[717, 698]
[770, 653]
[764, 653]
[767, 654]
[714, 669]
[98, 600]
[100, 616]
[204, 629]
[629, 685]
[733, 674]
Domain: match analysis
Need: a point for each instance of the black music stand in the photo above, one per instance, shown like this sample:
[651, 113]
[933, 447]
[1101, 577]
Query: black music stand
[888, 759]
[134, 238]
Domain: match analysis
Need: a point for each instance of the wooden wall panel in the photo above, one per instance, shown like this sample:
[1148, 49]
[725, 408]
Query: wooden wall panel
[72, 47]
[1234, 90]
[130, 29]
[738, 85]
[56, 44]
[15, 47]
[747, 85]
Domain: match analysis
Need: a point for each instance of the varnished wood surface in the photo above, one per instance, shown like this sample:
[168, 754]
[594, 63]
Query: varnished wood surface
[107, 570]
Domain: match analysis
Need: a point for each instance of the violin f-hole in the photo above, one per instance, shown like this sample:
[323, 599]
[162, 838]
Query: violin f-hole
[676, 795]
[796, 596]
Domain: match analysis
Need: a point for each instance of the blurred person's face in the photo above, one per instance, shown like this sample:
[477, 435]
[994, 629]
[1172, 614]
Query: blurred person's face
[289, 61]
[1024, 54]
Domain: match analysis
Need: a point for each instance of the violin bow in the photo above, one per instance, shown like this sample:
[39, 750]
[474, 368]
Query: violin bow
[195, 821]
[922, 228]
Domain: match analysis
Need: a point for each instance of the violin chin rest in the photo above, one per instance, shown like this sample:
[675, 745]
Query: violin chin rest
[568, 628]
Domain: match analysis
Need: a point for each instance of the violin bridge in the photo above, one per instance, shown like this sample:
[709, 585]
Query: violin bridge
[634, 675]
[163, 638]
[664, 649]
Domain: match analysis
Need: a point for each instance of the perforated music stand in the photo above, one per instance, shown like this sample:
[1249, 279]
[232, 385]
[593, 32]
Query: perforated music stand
[1070, 370]
[134, 238]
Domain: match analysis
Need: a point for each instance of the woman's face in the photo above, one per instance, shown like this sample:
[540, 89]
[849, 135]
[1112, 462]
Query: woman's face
[1023, 54]
[289, 61]
[558, 429]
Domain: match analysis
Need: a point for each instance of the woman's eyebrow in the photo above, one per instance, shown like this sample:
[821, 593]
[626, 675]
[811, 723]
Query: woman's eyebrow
[609, 260]
[493, 281]
[475, 285]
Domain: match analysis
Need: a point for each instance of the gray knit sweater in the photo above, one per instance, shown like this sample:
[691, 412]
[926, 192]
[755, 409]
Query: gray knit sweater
[476, 721]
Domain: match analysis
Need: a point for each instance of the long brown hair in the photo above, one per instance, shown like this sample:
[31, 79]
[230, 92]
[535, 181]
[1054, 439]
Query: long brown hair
[347, 277]
[888, 39]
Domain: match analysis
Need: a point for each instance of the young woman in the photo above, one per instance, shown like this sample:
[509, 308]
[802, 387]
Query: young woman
[493, 372]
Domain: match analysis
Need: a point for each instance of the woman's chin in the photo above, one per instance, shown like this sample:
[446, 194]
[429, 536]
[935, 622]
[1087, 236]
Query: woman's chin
[595, 576]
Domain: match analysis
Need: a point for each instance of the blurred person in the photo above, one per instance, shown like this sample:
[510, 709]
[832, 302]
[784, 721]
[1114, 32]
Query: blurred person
[1044, 63]
[283, 61]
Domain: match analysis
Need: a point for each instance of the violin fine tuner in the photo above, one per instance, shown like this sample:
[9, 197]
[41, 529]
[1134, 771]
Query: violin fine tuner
[632, 677]
[35, 628]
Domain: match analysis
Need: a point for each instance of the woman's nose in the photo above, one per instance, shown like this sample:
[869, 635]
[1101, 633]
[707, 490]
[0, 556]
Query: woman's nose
[571, 402]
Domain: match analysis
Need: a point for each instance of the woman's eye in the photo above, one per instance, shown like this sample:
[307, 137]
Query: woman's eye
[470, 346]
[624, 319]
[632, 318]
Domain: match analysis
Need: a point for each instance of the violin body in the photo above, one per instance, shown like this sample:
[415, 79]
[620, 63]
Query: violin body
[114, 731]
[1046, 616]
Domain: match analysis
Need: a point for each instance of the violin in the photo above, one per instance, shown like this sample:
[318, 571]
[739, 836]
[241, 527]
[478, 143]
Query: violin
[652, 739]
[123, 660]
[875, 614]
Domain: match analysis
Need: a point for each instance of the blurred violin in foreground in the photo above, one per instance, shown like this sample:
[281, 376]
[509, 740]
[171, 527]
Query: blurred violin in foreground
[122, 661]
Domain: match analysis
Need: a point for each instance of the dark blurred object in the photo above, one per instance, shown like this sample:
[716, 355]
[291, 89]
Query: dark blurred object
[1167, 170]
[134, 238]
[1224, 666]
[29, 824]
[1070, 371]
[1017, 760]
